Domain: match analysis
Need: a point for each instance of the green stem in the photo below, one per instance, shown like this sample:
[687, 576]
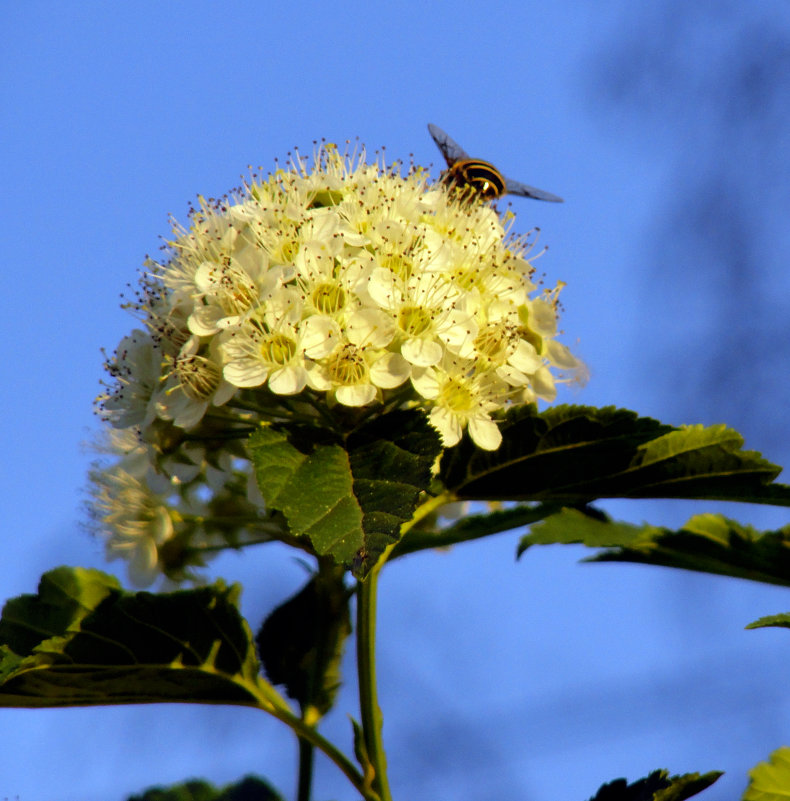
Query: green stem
[370, 713]
[305, 770]
[273, 703]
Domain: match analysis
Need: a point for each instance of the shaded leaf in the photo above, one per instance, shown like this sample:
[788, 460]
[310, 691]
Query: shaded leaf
[770, 781]
[576, 454]
[82, 641]
[658, 786]
[248, 789]
[192, 790]
[713, 544]
[301, 642]
[707, 543]
[472, 527]
[348, 496]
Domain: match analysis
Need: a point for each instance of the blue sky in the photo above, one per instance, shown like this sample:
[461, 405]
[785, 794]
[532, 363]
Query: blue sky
[662, 127]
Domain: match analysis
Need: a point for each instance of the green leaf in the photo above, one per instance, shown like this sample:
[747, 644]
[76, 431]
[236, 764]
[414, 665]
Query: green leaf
[575, 454]
[583, 526]
[779, 621]
[687, 785]
[84, 641]
[707, 543]
[713, 544]
[348, 496]
[658, 786]
[770, 781]
[301, 642]
[248, 789]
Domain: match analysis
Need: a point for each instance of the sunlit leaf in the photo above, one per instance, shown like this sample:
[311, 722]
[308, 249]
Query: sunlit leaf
[580, 526]
[575, 454]
[687, 785]
[348, 496]
[770, 781]
[82, 641]
[778, 621]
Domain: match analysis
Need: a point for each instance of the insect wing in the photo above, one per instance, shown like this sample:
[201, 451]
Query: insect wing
[451, 150]
[524, 190]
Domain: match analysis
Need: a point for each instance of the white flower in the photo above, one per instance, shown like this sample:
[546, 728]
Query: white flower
[272, 348]
[328, 281]
[225, 292]
[355, 373]
[194, 383]
[428, 312]
[135, 369]
[462, 398]
[136, 522]
[502, 343]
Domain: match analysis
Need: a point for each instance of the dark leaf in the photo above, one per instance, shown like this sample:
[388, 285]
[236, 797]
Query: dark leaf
[576, 454]
[83, 641]
[658, 786]
[707, 543]
[248, 789]
[712, 544]
[472, 527]
[578, 526]
[301, 642]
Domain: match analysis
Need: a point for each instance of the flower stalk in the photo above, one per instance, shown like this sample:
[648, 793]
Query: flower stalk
[370, 712]
[305, 770]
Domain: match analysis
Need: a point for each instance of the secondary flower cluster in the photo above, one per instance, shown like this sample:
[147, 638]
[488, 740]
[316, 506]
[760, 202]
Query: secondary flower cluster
[347, 285]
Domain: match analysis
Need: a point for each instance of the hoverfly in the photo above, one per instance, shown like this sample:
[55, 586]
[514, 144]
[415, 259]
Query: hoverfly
[482, 177]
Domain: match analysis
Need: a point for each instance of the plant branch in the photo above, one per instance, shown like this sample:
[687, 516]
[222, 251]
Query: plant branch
[275, 704]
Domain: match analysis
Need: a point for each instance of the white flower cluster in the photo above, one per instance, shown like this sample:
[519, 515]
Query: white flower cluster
[344, 285]
[167, 505]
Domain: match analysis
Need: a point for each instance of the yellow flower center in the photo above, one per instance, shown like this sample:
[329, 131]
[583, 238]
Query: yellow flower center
[235, 291]
[328, 298]
[456, 396]
[492, 342]
[414, 320]
[282, 245]
[278, 348]
[198, 377]
[347, 366]
[399, 264]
